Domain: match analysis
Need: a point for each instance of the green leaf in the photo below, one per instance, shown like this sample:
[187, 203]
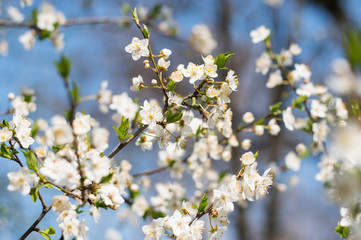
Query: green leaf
[355, 106]
[259, 122]
[171, 85]
[34, 193]
[46, 232]
[222, 59]
[255, 155]
[133, 194]
[297, 103]
[50, 230]
[308, 127]
[34, 129]
[100, 204]
[75, 93]
[5, 151]
[107, 178]
[155, 11]
[352, 45]
[34, 16]
[122, 130]
[5, 124]
[343, 231]
[125, 8]
[204, 203]
[157, 214]
[135, 15]
[275, 108]
[222, 175]
[46, 236]
[31, 160]
[44, 34]
[172, 118]
[145, 31]
[63, 66]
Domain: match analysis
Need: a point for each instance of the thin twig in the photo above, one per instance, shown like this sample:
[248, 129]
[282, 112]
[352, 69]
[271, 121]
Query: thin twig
[123, 144]
[33, 226]
[71, 22]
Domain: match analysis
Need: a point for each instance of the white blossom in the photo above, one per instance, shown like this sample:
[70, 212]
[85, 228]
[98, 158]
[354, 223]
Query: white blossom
[138, 48]
[22, 180]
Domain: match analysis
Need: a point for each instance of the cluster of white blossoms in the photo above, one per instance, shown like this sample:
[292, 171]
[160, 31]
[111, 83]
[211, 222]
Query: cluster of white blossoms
[47, 21]
[191, 131]
[184, 223]
[18, 128]
[340, 160]
[321, 107]
[68, 218]
[340, 172]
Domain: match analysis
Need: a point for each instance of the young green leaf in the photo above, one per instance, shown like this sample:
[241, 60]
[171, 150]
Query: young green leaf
[204, 203]
[107, 178]
[75, 93]
[222, 59]
[31, 160]
[275, 108]
[34, 193]
[63, 66]
[171, 85]
[5, 151]
[172, 118]
[297, 103]
[145, 31]
[343, 231]
[122, 130]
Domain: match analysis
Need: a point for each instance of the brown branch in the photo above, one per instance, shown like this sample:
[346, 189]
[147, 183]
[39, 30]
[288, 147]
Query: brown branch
[157, 170]
[123, 144]
[33, 228]
[151, 172]
[70, 22]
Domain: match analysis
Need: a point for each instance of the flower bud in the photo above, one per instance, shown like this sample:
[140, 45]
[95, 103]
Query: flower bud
[146, 64]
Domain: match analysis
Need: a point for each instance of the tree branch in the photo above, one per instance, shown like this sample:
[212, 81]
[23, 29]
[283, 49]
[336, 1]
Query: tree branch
[123, 144]
[71, 22]
[33, 226]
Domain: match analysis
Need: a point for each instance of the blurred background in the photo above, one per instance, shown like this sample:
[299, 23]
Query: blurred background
[322, 28]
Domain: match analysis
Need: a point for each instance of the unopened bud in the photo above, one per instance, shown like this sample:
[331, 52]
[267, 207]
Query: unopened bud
[146, 64]
[154, 82]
